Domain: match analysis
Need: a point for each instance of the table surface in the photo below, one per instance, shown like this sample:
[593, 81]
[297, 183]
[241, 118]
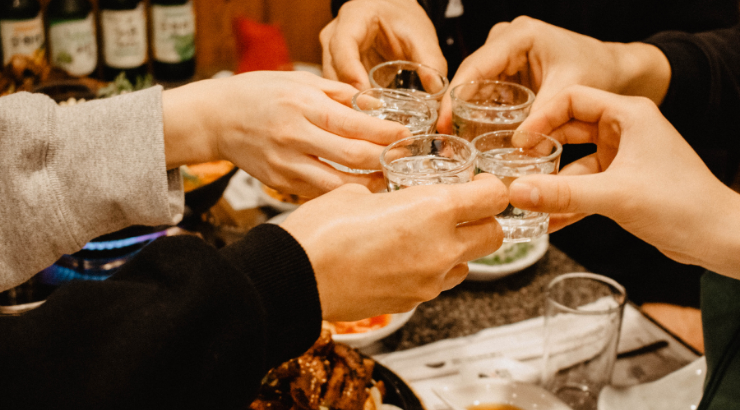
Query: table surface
[474, 306]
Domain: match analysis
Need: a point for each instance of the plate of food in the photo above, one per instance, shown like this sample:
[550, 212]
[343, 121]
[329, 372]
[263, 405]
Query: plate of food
[279, 200]
[333, 375]
[365, 332]
[510, 258]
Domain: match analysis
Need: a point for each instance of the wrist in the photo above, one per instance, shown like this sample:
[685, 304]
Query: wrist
[720, 250]
[643, 70]
[188, 138]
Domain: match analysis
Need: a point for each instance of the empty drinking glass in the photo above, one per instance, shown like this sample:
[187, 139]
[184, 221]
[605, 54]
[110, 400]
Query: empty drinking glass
[510, 155]
[583, 317]
[483, 106]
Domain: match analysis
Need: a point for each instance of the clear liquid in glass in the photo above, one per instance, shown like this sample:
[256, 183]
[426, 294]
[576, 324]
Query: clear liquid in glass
[425, 170]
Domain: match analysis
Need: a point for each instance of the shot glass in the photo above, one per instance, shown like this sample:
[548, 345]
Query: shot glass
[483, 106]
[510, 155]
[418, 79]
[426, 160]
[392, 105]
[583, 316]
[399, 106]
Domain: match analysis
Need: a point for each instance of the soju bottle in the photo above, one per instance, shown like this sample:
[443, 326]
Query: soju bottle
[21, 28]
[123, 25]
[173, 32]
[72, 42]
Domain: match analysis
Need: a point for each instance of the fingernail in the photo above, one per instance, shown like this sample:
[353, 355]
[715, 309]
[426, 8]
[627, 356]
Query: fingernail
[524, 190]
[534, 195]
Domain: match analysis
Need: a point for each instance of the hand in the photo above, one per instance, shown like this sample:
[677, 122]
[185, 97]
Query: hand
[548, 59]
[388, 252]
[644, 176]
[366, 33]
[275, 126]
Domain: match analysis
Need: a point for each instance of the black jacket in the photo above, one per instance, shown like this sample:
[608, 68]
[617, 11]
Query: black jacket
[180, 326]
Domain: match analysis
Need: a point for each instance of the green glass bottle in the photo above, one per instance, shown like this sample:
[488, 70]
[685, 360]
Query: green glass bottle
[124, 38]
[72, 40]
[173, 39]
[21, 28]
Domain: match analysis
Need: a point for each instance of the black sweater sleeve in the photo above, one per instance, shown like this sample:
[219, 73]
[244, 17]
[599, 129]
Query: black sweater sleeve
[703, 99]
[180, 326]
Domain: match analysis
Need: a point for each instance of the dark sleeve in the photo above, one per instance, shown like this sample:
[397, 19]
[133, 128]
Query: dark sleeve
[703, 99]
[182, 325]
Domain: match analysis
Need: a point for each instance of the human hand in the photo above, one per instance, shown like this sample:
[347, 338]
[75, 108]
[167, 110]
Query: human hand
[644, 176]
[275, 126]
[548, 59]
[388, 252]
[366, 33]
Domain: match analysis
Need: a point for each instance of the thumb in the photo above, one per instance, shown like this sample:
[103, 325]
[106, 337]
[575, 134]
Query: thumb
[583, 194]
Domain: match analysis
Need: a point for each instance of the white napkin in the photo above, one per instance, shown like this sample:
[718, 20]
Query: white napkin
[511, 351]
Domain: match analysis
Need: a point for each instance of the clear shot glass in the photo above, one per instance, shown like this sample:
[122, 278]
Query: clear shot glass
[426, 160]
[583, 317]
[415, 78]
[509, 155]
[483, 106]
[398, 106]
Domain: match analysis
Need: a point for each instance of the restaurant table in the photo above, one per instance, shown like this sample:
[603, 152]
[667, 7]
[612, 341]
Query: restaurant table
[474, 306]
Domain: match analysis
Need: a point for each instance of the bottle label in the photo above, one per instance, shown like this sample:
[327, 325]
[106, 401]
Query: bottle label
[21, 37]
[174, 32]
[73, 45]
[124, 37]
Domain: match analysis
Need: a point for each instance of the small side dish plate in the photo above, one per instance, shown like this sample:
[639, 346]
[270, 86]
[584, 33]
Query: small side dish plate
[499, 392]
[532, 252]
[360, 340]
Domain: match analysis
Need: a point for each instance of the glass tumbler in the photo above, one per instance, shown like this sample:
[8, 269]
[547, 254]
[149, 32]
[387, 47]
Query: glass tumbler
[415, 78]
[583, 316]
[483, 106]
[510, 155]
[426, 160]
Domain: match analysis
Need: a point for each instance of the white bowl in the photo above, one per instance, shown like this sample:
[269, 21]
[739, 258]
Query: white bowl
[360, 340]
[523, 395]
[483, 272]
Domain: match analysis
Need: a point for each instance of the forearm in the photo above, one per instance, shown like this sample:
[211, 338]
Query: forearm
[70, 174]
[717, 242]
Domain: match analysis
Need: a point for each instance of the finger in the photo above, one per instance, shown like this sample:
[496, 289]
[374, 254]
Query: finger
[345, 50]
[455, 276]
[484, 197]
[327, 66]
[325, 37]
[479, 238]
[563, 194]
[582, 166]
[560, 221]
[337, 119]
[311, 178]
[583, 104]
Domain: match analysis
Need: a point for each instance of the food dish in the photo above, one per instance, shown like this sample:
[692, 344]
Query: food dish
[279, 200]
[361, 340]
[522, 395]
[333, 375]
[533, 251]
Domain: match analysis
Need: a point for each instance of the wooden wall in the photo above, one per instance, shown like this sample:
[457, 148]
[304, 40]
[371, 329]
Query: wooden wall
[300, 21]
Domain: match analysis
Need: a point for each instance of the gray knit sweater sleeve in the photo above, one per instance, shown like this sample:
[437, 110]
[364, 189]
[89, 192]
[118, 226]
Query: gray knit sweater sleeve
[70, 174]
